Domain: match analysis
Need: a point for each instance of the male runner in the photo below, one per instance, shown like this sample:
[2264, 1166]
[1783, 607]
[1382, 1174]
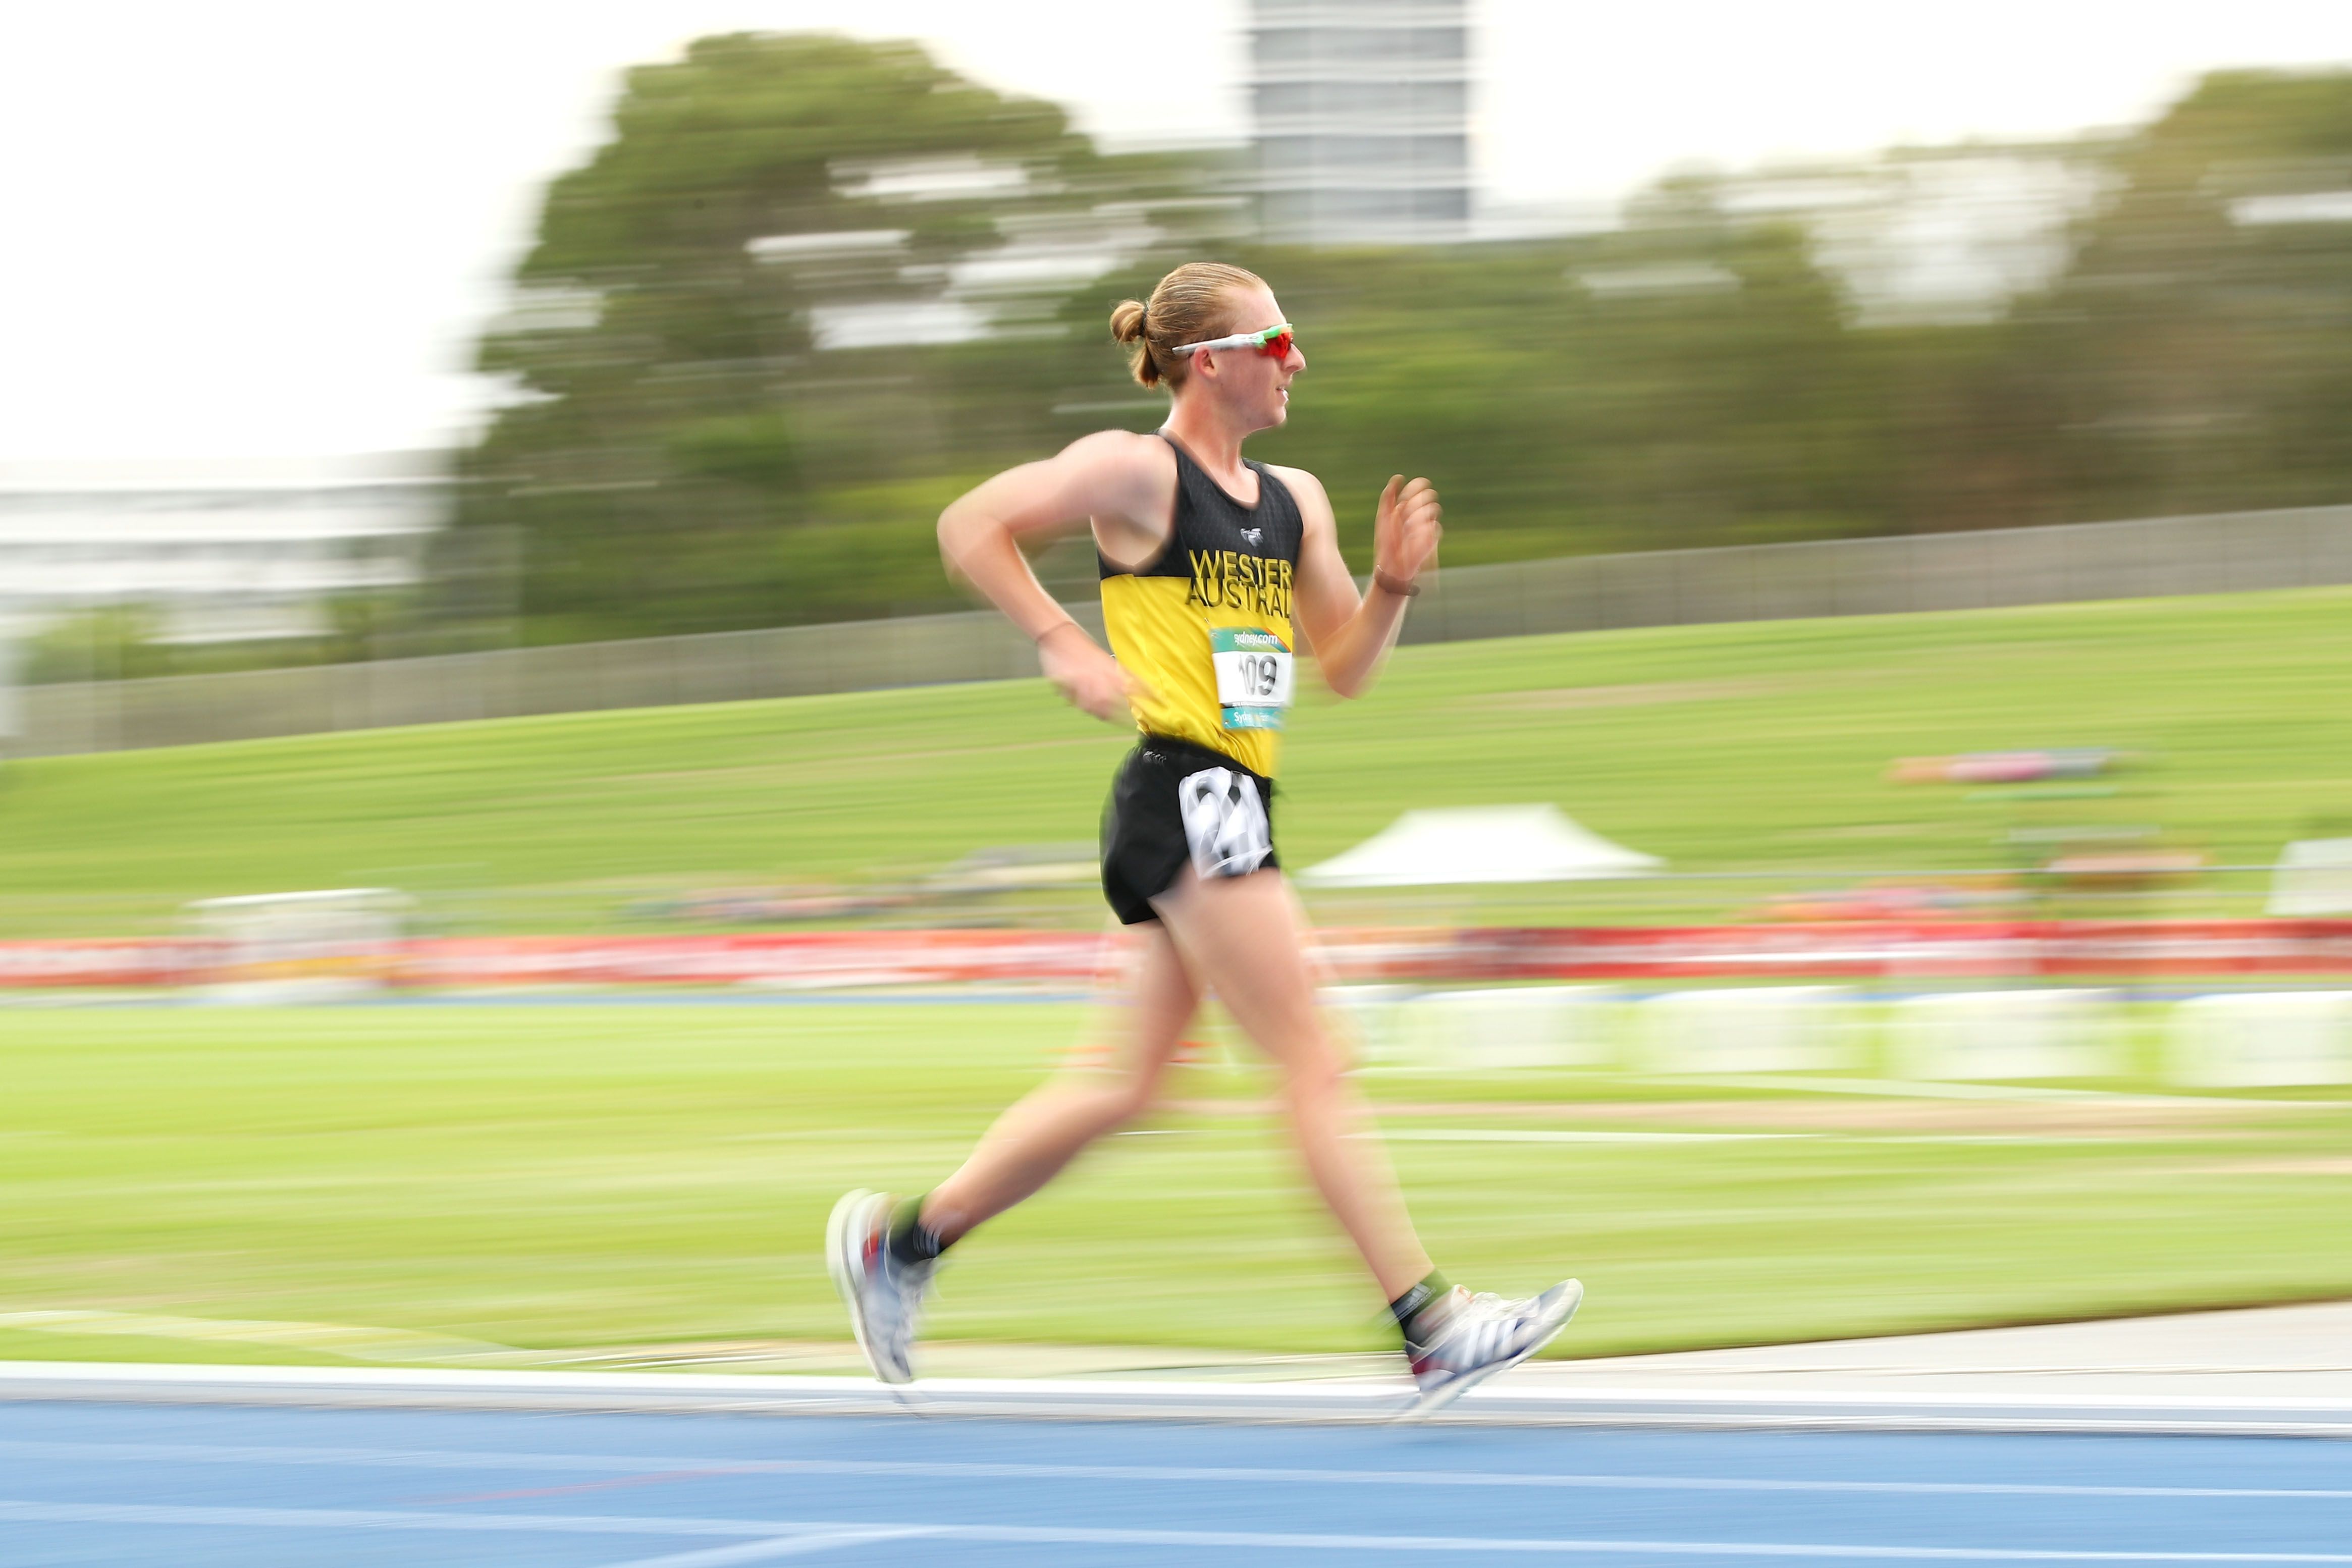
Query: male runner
[1212, 568]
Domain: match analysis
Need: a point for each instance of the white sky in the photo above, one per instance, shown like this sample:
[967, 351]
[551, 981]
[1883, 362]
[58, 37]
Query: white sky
[254, 229]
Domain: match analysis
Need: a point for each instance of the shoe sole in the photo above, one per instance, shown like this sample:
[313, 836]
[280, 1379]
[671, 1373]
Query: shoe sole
[1438, 1398]
[844, 1260]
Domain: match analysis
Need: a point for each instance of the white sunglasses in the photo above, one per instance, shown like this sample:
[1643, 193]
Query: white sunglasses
[1273, 342]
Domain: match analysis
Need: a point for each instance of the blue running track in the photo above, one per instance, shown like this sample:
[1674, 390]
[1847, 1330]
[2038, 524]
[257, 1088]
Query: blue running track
[191, 1486]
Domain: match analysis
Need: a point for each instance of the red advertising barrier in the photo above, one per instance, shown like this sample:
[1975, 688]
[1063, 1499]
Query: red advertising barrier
[786, 960]
[834, 959]
[110, 962]
[1907, 950]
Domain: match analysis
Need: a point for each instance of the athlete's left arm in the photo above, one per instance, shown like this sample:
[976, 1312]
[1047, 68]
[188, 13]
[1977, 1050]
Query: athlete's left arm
[1350, 632]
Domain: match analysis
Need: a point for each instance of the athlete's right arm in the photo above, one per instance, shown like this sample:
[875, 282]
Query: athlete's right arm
[1121, 478]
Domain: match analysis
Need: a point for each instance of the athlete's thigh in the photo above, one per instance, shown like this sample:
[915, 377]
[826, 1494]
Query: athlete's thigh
[1162, 996]
[1241, 936]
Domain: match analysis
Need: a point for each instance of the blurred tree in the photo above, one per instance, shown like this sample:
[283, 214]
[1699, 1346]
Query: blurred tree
[111, 642]
[678, 426]
[1699, 377]
[813, 287]
[2199, 352]
[1688, 381]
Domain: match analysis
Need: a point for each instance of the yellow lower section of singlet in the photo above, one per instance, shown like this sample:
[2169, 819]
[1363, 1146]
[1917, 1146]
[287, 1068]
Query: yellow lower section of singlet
[1161, 638]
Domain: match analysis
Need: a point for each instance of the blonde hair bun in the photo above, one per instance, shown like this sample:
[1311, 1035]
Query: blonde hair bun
[1188, 306]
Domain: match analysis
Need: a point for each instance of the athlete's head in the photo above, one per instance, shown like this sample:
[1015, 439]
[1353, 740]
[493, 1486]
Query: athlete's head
[1199, 303]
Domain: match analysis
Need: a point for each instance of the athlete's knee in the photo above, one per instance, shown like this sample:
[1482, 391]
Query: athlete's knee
[1317, 1070]
[1122, 1102]
[1123, 1096]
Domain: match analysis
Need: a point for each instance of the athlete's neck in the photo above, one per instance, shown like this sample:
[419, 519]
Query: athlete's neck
[1213, 444]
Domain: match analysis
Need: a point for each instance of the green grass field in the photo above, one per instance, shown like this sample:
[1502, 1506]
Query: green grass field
[1719, 747]
[428, 1181]
[568, 1180]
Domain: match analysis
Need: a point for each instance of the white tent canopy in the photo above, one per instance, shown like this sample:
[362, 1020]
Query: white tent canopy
[2313, 878]
[1478, 843]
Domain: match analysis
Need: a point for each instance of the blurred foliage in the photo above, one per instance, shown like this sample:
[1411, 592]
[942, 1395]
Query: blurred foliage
[2190, 359]
[131, 642]
[813, 287]
[112, 642]
[681, 455]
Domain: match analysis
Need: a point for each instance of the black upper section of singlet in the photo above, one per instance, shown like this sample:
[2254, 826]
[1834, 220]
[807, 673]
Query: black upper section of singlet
[1208, 521]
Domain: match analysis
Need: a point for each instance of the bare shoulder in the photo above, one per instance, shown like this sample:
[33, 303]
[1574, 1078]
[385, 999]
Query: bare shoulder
[1314, 503]
[1300, 482]
[1116, 472]
[1124, 484]
[1119, 451]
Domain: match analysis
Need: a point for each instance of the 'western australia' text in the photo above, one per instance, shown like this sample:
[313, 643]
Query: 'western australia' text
[1226, 580]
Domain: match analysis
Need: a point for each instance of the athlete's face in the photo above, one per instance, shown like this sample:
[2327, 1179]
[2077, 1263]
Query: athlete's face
[1253, 385]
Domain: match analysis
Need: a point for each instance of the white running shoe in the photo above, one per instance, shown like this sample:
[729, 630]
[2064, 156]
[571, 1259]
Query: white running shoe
[1483, 1336]
[885, 1297]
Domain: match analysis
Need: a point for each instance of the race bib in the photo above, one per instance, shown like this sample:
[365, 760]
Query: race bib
[1253, 676]
[1225, 823]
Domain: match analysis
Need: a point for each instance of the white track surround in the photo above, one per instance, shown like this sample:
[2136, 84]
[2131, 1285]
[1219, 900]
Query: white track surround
[1085, 1399]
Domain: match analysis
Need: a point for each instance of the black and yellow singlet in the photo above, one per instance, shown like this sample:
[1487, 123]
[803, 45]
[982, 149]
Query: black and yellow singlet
[1206, 624]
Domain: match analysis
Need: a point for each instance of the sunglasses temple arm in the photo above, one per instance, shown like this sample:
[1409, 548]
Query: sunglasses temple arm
[1238, 340]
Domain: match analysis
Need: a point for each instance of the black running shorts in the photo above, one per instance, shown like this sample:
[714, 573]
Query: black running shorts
[1174, 801]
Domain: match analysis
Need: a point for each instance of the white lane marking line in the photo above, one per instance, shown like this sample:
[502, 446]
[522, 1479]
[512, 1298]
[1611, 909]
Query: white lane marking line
[1928, 1089]
[767, 1551]
[707, 1465]
[401, 1519]
[1996, 1138]
[359, 1342]
[1556, 1135]
[1062, 1535]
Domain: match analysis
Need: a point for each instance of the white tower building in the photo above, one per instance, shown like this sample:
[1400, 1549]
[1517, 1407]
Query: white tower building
[1362, 116]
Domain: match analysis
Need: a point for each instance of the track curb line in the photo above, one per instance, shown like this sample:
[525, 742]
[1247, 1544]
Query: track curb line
[1090, 1399]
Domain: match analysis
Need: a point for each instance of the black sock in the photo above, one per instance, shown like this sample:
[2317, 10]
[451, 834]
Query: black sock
[909, 1240]
[1408, 1307]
